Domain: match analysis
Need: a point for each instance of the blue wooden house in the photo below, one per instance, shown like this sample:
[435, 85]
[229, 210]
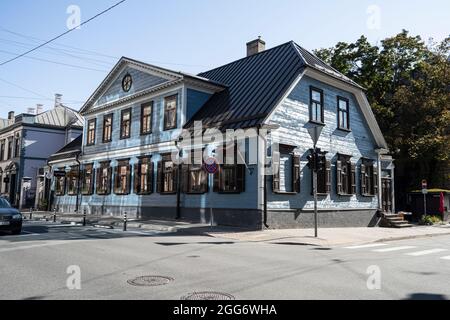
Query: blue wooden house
[135, 118]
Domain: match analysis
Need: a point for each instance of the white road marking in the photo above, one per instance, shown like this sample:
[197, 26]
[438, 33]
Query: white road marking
[425, 252]
[445, 258]
[394, 249]
[372, 245]
[40, 245]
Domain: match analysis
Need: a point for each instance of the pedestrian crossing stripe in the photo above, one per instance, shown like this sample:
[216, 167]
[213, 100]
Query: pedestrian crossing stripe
[425, 252]
[367, 246]
[394, 249]
[445, 258]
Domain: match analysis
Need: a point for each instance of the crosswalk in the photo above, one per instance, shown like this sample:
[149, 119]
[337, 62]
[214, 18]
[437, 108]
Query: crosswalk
[411, 251]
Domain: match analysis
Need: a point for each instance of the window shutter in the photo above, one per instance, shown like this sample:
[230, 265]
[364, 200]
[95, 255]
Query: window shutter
[159, 178]
[129, 168]
[328, 176]
[185, 178]
[276, 174]
[98, 180]
[150, 176]
[204, 182]
[363, 179]
[240, 177]
[296, 173]
[116, 179]
[137, 169]
[110, 170]
[216, 185]
[90, 187]
[339, 177]
[353, 177]
[375, 181]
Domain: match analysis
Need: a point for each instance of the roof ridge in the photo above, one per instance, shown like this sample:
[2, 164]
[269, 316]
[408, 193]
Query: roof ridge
[244, 58]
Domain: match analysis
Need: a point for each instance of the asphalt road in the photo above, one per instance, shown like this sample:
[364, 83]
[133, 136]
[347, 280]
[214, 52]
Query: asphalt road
[35, 265]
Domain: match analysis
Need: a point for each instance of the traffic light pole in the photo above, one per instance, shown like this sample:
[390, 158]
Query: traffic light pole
[315, 202]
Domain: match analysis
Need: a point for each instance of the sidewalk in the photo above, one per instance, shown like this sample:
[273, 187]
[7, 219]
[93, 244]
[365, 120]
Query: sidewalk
[335, 236]
[114, 222]
[327, 237]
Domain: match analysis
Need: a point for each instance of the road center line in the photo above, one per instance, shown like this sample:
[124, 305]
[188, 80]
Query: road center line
[372, 245]
[425, 252]
[394, 249]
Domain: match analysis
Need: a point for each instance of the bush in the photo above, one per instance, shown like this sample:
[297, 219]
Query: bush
[430, 220]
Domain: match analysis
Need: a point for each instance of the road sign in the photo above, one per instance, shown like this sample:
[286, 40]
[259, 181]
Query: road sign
[59, 173]
[211, 165]
[424, 191]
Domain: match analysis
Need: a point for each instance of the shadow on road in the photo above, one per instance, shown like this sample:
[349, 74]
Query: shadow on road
[426, 296]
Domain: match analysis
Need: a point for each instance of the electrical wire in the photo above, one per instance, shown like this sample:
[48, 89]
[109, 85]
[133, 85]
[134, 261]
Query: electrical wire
[61, 35]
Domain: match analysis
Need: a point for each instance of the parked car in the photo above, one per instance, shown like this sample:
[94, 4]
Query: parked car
[10, 218]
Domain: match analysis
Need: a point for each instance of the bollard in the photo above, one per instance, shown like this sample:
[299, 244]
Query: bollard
[54, 215]
[84, 217]
[31, 213]
[125, 220]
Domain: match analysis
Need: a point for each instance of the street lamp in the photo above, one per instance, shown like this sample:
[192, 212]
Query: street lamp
[313, 162]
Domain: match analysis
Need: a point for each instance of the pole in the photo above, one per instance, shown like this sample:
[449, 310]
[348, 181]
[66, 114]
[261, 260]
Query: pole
[425, 204]
[54, 215]
[31, 213]
[315, 203]
[125, 220]
[84, 217]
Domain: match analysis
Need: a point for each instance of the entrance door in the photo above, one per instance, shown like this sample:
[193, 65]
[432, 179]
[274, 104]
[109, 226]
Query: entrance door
[386, 195]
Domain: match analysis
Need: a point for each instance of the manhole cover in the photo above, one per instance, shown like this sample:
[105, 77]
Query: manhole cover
[150, 281]
[208, 296]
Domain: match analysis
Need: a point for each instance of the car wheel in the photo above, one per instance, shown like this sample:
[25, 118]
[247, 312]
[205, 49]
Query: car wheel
[16, 231]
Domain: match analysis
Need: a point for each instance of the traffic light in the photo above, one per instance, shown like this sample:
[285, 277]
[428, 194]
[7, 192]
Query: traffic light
[311, 160]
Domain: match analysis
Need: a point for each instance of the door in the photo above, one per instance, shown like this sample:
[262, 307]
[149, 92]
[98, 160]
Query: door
[386, 195]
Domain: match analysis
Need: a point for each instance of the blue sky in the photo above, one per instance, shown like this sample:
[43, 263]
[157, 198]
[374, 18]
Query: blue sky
[187, 35]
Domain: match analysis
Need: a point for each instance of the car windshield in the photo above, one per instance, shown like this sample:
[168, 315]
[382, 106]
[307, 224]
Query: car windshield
[4, 203]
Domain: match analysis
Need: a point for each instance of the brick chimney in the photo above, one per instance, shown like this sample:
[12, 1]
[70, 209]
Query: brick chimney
[58, 98]
[255, 46]
[39, 108]
[11, 115]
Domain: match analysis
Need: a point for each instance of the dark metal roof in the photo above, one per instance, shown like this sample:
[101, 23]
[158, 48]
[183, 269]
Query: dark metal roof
[255, 85]
[70, 150]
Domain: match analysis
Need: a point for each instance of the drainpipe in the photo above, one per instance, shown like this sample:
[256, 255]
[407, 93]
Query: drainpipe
[180, 154]
[264, 178]
[77, 206]
[49, 205]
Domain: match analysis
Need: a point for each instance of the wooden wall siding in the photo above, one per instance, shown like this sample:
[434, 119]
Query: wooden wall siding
[141, 81]
[247, 200]
[195, 100]
[158, 134]
[293, 116]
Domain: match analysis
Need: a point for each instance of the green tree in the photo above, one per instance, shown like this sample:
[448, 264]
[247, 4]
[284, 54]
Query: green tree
[408, 86]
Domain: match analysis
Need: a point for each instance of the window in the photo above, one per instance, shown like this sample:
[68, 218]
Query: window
[167, 175]
[72, 181]
[231, 177]
[92, 124]
[170, 112]
[323, 175]
[316, 112]
[17, 147]
[195, 178]
[345, 175]
[146, 118]
[287, 178]
[104, 174]
[60, 184]
[122, 181]
[369, 178]
[87, 182]
[125, 124]
[10, 149]
[2, 150]
[143, 176]
[107, 128]
[343, 114]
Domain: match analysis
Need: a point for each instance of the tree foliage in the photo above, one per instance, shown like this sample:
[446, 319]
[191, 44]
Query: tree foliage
[408, 86]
